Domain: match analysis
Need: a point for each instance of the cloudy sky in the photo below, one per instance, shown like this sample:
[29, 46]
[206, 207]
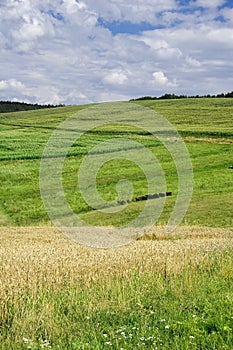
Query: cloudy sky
[76, 52]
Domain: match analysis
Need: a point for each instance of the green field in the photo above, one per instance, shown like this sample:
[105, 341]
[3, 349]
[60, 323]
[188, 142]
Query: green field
[204, 124]
[159, 293]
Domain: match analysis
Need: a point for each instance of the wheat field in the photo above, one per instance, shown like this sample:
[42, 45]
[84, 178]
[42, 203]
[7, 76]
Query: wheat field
[38, 257]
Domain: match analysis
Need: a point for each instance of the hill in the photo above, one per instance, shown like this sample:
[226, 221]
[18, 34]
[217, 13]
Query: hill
[160, 292]
[204, 124]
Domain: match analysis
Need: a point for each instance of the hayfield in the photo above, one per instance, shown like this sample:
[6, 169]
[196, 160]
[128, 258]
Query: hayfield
[160, 292]
[163, 293]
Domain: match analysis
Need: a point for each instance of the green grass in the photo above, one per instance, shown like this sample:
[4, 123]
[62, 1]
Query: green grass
[163, 294]
[197, 115]
[204, 124]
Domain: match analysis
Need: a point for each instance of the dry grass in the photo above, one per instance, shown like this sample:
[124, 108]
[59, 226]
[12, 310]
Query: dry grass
[54, 291]
[32, 258]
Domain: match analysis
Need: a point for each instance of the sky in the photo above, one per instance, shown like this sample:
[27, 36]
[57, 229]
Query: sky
[77, 52]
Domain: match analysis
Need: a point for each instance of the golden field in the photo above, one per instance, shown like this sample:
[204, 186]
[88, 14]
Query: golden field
[34, 257]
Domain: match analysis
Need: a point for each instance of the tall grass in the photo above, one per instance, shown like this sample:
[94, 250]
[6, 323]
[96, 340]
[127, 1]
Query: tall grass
[165, 294]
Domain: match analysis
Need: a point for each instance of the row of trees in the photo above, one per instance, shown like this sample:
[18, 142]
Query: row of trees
[10, 106]
[173, 96]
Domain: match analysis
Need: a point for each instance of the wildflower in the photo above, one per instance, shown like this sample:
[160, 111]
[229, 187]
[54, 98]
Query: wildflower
[167, 326]
[25, 340]
[163, 320]
[108, 343]
[191, 337]
[105, 335]
[46, 344]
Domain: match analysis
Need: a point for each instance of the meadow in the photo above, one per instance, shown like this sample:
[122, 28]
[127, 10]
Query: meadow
[159, 292]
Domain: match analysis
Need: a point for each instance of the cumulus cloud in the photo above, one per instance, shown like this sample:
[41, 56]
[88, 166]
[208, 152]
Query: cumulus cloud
[11, 84]
[192, 62]
[135, 11]
[210, 3]
[160, 78]
[65, 51]
[227, 14]
[115, 77]
[73, 6]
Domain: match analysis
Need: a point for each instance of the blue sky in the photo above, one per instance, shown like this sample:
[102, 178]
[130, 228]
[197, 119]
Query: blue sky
[127, 27]
[90, 51]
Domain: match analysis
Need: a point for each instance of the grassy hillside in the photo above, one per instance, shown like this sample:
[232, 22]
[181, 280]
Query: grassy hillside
[204, 124]
[161, 292]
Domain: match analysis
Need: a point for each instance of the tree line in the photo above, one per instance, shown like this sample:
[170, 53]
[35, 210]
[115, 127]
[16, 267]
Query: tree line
[11, 106]
[173, 96]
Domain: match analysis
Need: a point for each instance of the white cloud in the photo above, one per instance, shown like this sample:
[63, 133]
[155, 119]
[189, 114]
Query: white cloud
[162, 81]
[43, 95]
[31, 29]
[227, 14]
[73, 6]
[115, 77]
[193, 62]
[209, 3]
[56, 52]
[223, 36]
[160, 78]
[11, 84]
[132, 10]
[155, 43]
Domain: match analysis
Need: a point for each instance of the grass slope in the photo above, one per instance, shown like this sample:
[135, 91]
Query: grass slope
[205, 125]
[158, 293]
